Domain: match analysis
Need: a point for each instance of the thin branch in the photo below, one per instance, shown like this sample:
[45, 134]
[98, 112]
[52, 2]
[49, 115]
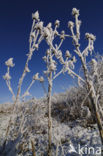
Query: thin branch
[58, 74]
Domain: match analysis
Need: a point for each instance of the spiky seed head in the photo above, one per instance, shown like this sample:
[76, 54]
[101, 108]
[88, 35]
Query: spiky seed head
[36, 76]
[67, 54]
[63, 32]
[35, 16]
[62, 36]
[90, 36]
[52, 67]
[7, 76]
[41, 79]
[49, 25]
[57, 23]
[39, 25]
[75, 12]
[46, 32]
[70, 24]
[9, 62]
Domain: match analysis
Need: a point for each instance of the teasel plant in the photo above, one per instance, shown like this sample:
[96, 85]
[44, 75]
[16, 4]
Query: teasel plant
[34, 41]
[7, 76]
[93, 95]
[51, 75]
[53, 56]
[27, 93]
[34, 78]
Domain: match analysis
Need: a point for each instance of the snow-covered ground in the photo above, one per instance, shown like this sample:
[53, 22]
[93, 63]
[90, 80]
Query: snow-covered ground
[31, 124]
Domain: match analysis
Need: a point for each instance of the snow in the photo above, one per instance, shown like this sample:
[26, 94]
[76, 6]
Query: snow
[32, 124]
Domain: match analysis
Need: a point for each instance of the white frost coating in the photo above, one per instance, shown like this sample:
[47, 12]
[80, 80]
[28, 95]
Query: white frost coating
[90, 36]
[9, 62]
[46, 32]
[26, 94]
[35, 15]
[57, 23]
[36, 46]
[36, 76]
[7, 76]
[67, 54]
[39, 25]
[70, 24]
[41, 79]
[44, 58]
[55, 55]
[74, 59]
[27, 69]
[49, 26]
[75, 12]
[94, 62]
[52, 67]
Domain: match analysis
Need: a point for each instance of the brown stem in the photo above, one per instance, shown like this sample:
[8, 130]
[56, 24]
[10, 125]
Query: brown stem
[33, 148]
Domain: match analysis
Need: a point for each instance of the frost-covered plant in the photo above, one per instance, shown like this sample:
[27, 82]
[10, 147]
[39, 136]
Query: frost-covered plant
[52, 57]
[83, 57]
[49, 35]
[7, 77]
[34, 78]
[34, 41]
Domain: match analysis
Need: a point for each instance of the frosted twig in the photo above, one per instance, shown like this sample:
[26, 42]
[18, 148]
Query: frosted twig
[58, 74]
[7, 77]
[76, 75]
[27, 91]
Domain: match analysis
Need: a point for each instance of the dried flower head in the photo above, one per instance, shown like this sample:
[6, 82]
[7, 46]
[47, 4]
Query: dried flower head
[67, 54]
[46, 32]
[49, 25]
[62, 36]
[90, 36]
[75, 11]
[7, 76]
[63, 32]
[9, 62]
[70, 24]
[52, 67]
[35, 15]
[39, 25]
[41, 79]
[57, 23]
[36, 76]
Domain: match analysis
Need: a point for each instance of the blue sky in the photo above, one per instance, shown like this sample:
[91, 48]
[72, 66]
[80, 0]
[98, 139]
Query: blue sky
[15, 25]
